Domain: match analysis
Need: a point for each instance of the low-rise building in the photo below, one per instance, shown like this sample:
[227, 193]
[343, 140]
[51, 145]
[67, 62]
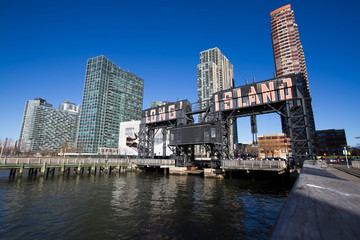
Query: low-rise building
[330, 142]
[274, 145]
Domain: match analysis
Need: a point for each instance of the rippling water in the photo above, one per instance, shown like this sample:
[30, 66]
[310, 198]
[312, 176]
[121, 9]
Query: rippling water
[137, 206]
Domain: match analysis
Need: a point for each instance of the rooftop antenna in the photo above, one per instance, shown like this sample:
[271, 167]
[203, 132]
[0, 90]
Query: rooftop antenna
[254, 79]
[246, 82]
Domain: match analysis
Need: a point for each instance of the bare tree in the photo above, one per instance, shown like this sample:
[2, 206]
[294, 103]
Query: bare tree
[7, 147]
[270, 147]
[66, 148]
[355, 151]
[252, 150]
[28, 153]
[45, 151]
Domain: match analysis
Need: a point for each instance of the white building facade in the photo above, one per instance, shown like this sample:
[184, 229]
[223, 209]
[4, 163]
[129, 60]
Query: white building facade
[129, 140]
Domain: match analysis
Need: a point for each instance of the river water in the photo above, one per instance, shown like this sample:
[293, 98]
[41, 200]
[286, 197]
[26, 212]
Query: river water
[135, 205]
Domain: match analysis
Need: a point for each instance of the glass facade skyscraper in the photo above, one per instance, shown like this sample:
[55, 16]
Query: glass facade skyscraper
[111, 95]
[214, 73]
[46, 128]
[158, 103]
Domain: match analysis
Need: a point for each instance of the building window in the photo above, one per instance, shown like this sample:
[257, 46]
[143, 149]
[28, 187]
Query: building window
[213, 133]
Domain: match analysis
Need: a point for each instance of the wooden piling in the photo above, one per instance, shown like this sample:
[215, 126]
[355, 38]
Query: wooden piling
[21, 169]
[43, 168]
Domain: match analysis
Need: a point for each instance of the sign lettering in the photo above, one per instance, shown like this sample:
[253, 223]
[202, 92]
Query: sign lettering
[163, 113]
[270, 91]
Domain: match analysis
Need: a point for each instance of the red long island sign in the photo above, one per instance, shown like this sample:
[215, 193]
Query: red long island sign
[270, 91]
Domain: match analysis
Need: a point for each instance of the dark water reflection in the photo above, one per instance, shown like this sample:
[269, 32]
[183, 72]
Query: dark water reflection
[137, 206]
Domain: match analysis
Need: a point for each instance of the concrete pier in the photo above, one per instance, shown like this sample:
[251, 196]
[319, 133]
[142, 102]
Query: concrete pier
[213, 173]
[178, 170]
[320, 206]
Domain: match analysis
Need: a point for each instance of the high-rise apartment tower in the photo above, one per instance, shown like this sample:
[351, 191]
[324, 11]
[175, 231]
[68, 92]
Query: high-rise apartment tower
[158, 103]
[215, 73]
[111, 95]
[289, 55]
[45, 128]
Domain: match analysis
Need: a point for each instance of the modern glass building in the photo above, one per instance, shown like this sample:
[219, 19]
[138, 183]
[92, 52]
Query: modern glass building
[45, 128]
[68, 106]
[289, 55]
[111, 95]
[158, 103]
[215, 73]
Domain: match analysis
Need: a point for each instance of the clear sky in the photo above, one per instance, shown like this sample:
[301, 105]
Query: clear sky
[44, 46]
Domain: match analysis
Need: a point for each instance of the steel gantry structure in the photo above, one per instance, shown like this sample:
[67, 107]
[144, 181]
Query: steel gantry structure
[279, 95]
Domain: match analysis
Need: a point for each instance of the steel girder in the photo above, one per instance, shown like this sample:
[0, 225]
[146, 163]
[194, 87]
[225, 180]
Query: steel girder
[184, 155]
[297, 126]
[143, 150]
[146, 138]
[299, 130]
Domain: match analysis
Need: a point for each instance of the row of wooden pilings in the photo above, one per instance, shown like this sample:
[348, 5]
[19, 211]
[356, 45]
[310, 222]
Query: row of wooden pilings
[81, 169]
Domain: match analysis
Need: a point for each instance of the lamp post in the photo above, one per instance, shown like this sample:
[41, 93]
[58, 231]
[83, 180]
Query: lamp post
[346, 152]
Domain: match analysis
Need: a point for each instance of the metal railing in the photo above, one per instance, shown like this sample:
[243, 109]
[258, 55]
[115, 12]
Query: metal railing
[40, 161]
[10, 161]
[237, 164]
[355, 164]
[156, 162]
[245, 164]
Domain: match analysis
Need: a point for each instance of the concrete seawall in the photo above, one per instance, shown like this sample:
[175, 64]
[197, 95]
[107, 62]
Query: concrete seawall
[320, 206]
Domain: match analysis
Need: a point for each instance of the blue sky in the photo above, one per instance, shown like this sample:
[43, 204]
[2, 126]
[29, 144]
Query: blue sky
[44, 47]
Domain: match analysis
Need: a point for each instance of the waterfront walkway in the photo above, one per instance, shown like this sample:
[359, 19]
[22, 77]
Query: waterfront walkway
[323, 204]
[344, 175]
